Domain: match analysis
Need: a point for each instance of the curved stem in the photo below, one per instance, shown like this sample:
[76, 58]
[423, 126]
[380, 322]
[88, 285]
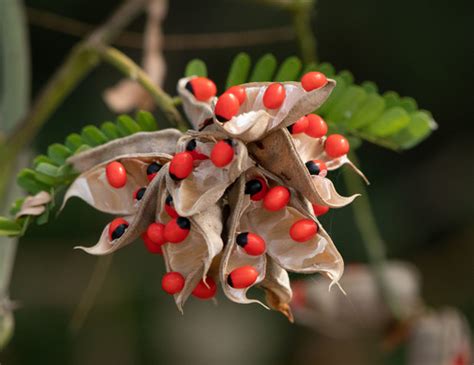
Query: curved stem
[301, 12]
[373, 241]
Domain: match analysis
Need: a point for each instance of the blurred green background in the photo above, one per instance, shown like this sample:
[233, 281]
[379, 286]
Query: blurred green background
[423, 199]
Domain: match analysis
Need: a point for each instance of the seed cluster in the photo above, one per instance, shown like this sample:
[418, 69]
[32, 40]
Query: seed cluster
[236, 184]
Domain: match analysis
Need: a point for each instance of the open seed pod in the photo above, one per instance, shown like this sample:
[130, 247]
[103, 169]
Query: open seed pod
[193, 256]
[254, 120]
[207, 183]
[278, 154]
[198, 112]
[314, 253]
[93, 187]
[132, 226]
[441, 338]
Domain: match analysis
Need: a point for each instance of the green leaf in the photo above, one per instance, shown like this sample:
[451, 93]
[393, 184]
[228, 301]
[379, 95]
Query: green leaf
[48, 170]
[196, 67]
[347, 76]
[370, 87]
[370, 110]
[420, 126]
[74, 141]
[9, 227]
[239, 70]
[42, 158]
[127, 125]
[110, 130]
[334, 97]
[409, 104]
[28, 181]
[59, 153]
[264, 69]
[92, 136]
[391, 122]
[391, 99]
[146, 121]
[347, 104]
[289, 70]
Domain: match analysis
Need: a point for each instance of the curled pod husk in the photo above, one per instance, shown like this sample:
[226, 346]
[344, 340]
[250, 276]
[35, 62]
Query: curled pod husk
[207, 183]
[309, 148]
[198, 112]
[278, 154]
[143, 143]
[34, 205]
[92, 185]
[137, 223]
[192, 257]
[254, 121]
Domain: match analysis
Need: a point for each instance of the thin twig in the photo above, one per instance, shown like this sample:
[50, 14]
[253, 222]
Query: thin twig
[373, 241]
[89, 295]
[172, 42]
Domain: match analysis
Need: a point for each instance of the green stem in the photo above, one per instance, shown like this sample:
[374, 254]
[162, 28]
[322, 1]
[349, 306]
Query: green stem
[129, 68]
[301, 13]
[371, 237]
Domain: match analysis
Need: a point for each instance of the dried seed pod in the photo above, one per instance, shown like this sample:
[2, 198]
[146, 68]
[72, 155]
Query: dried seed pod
[198, 112]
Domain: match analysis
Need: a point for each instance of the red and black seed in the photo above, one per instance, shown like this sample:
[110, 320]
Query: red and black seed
[315, 167]
[242, 239]
[153, 169]
[139, 193]
[183, 223]
[119, 231]
[253, 187]
[169, 207]
[191, 146]
[229, 281]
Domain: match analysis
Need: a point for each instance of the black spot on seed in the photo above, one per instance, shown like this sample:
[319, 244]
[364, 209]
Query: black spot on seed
[242, 239]
[174, 177]
[228, 141]
[189, 87]
[140, 193]
[253, 187]
[290, 128]
[153, 168]
[191, 146]
[169, 200]
[119, 231]
[183, 223]
[221, 119]
[229, 281]
[313, 168]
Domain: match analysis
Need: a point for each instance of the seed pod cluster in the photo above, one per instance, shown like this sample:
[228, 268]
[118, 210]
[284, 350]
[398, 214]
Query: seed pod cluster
[258, 152]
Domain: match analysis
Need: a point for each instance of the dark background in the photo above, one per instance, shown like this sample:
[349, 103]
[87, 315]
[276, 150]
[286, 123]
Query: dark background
[422, 199]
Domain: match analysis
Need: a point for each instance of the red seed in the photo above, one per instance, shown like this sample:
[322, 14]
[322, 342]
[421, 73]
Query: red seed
[320, 210]
[227, 107]
[176, 230]
[202, 88]
[239, 92]
[252, 243]
[336, 146]
[257, 188]
[191, 147]
[303, 230]
[203, 291]
[313, 80]
[300, 126]
[116, 174]
[117, 228]
[317, 127]
[222, 153]
[151, 246]
[169, 208]
[242, 277]
[274, 96]
[156, 233]
[315, 167]
[181, 165]
[277, 198]
[172, 282]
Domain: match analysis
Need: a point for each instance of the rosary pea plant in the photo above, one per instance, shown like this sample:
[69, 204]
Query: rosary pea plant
[235, 199]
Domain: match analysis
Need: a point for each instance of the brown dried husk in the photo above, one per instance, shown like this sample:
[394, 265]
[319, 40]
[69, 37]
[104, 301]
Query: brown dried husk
[192, 257]
[207, 183]
[138, 222]
[254, 121]
[277, 153]
[142, 143]
[92, 186]
[34, 205]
